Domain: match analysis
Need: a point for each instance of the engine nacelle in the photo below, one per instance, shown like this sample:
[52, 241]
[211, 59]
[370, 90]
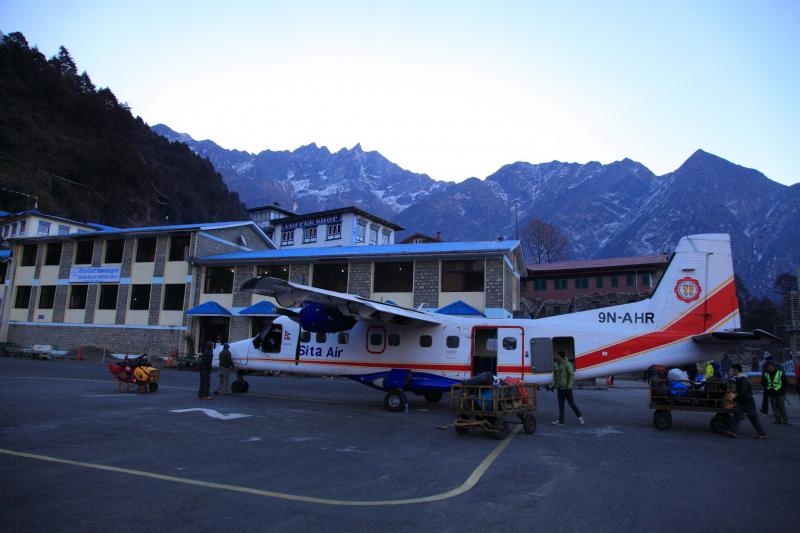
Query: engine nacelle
[321, 319]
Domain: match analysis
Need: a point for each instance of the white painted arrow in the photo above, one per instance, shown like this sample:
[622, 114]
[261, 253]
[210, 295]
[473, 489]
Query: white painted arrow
[213, 413]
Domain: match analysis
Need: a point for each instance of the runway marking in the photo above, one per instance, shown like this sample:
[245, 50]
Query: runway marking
[213, 413]
[470, 482]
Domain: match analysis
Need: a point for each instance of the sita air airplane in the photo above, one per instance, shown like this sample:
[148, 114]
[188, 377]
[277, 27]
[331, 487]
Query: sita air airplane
[400, 350]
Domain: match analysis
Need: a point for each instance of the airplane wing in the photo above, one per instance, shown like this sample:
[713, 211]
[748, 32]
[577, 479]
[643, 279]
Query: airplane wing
[289, 294]
[757, 336]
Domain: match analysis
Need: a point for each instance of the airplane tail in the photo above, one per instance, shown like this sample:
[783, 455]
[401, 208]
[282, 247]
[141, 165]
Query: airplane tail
[697, 294]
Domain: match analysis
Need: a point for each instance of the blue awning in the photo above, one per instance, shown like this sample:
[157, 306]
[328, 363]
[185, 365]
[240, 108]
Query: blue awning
[459, 308]
[260, 308]
[209, 309]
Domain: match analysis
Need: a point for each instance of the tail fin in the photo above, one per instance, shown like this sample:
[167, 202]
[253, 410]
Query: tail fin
[697, 293]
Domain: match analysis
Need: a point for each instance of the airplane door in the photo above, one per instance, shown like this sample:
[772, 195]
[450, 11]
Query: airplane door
[511, 351]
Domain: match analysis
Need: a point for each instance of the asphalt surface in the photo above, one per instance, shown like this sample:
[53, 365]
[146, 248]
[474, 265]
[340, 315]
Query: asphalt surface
[320, 454]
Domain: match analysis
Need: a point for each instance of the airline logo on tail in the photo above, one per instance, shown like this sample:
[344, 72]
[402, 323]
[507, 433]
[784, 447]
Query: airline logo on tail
[688, 289]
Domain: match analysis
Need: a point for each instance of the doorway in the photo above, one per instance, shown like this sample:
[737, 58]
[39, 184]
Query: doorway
[211, 329]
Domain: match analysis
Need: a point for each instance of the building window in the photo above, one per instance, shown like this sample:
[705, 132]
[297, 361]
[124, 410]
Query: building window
[179, 247]
[614, 281]
[310, 234]
[385, 234]
[173, 296]
[52, 254]
[373, 234]
[83, 252]
[22, 225]
[270, 233]
[598, 282]
[77, 296]
[43, 228]
[63, 230]
[462, 276]
[452, 341]
[219, 280]
[114, 249]
[287, 237]
[23, 297]
[630, 280]
[394, 277]
[273, 271]
[108, 297]
[146, 250]
[47, 296]
[330, 276]
[646, 280]
[426, 341]
[394, 339]
[560, 284]
[140, 297]
[14, 229]
[361, 231]
[29, 255]
[581, 283]
[540, 284]
[334, 231]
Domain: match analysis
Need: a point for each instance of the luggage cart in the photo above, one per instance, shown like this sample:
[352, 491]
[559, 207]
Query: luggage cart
[712, 398]
[484, 407]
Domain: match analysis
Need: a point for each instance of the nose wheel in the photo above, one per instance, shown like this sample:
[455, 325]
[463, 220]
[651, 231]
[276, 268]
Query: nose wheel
[395, 400]
[240, 386]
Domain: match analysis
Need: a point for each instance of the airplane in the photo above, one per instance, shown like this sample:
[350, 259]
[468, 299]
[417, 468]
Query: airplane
[398, 350]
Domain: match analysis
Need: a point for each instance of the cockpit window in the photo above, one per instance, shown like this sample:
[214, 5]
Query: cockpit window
[270, 338]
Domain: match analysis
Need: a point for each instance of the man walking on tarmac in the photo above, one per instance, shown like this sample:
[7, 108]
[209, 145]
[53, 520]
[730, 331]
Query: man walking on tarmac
[205, 372]
[564, 381]
[745, 405]
[225, 365]
[774, 382]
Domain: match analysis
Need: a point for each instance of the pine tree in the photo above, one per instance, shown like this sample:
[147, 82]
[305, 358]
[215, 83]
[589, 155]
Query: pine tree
[64, 63]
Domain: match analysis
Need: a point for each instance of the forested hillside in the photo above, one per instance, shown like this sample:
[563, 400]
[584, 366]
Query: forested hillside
[84, 155]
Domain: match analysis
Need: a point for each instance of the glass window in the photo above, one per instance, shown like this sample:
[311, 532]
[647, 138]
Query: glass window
[598, 282]
[219, 280]
[83, 252]
[630, 280]
[373, 234]
[321, 337]
[581, 283]
[140, 297]
[287, 237]
[29, 255]
[560, 284]
[452, 341]
[334, 231]
[646, 280]
[77, 296]
[173, 296]
[385, 236]
[614, 281]
[63, 230]
[273, 271]
[310, 234]
[305, 336]
[394, 277]
[376, 339]
[509, 343]
[47, 296]
[462, 276]
[540, 284]
[52, 254]
[394, 339]
[179, 247]
[426, 341]
[344, 338]
[23, 297]
[146, 250]
[361, 231]
[330, 276]
[114, 250]
[108, 297]
[43, 228]
[22, 225]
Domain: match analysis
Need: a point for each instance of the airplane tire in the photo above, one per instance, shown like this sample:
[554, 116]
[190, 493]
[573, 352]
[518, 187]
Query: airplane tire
[240, 386]
[720, 423]
[395, 400]
[153, 387]
[433, 397]
[501, 429]
[529, 424]
[662, 419]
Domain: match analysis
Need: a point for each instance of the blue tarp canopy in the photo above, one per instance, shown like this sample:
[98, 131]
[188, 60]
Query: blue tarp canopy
[260, 308]
[459, 308]
[209, 309]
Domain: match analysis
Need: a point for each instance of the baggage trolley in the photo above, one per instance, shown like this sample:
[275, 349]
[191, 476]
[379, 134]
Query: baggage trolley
[712, 398]
[485, 407]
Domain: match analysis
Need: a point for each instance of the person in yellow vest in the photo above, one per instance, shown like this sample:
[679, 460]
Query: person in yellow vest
[774, 382]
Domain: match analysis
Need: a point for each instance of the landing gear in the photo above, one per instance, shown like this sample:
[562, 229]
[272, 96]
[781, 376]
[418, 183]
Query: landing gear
[433, 397]
[528, 424]
[240, 386]
[395, 400]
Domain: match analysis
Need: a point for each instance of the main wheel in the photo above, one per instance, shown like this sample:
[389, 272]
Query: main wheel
[529, 424]
[662, 419]
[501, 429]
[395, 400]
[433, 397]
[462, 430]
[153, 387]
[720, 422]
[240, 386]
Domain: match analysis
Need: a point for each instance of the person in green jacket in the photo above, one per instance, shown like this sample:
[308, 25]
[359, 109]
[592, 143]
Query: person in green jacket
[564, 381]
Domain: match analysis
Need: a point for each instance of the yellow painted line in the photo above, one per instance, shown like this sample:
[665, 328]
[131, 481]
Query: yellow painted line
[470, 482]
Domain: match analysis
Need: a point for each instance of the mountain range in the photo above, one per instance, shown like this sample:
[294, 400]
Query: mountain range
[606, 210]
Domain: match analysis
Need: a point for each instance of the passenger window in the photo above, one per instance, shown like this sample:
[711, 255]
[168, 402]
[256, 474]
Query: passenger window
[509, 343]
[376, 339]
[305, 336]
[491, 344]
[452, 341]
[394, 340]
[321, 337]
[425, 341]
[344, 338]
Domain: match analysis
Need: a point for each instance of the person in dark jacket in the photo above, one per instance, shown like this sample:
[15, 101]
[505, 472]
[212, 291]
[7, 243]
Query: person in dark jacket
[225, 365]
[745, 405]
[564, 381]
[205, 372]
[774, 382]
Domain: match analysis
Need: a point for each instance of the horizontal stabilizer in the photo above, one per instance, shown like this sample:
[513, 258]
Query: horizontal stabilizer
[757, 336]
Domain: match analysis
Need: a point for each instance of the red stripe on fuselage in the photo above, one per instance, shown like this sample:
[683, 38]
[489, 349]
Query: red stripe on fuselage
[420, 366]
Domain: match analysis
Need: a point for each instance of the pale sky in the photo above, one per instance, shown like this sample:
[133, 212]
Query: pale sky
[450, 89]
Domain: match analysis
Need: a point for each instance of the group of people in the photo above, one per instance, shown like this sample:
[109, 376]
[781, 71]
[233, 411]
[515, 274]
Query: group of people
[225, 366]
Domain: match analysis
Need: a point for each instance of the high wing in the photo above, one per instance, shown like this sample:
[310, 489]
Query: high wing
[289, 294]
[757, 336]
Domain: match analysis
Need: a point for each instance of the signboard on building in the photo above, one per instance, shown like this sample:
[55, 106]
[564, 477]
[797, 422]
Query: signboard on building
[311, 222]
[94, 274]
